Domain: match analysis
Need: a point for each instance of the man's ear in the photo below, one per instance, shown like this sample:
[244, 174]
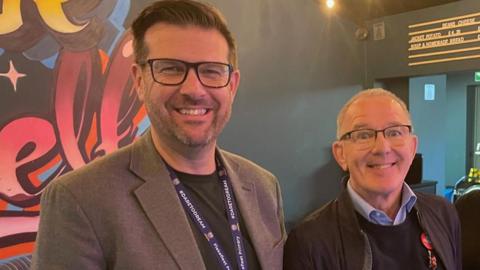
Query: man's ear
[414, 145]
[138, 81]
[234, 82]
[339, 154]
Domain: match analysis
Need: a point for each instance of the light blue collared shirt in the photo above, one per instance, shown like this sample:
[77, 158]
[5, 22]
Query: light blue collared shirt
[377, 216]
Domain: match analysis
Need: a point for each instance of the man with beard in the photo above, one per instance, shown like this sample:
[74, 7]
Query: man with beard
[377, 222]
[173, 199]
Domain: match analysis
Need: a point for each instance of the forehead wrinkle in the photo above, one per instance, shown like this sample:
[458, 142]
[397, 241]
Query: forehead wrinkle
[358, 115]
[367, 126]
[159, 37]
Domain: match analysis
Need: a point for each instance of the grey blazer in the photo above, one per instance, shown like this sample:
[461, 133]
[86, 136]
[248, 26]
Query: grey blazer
[121, 212]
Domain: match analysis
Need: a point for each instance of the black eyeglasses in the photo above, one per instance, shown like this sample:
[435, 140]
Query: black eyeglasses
[395, 135]
[173, 72]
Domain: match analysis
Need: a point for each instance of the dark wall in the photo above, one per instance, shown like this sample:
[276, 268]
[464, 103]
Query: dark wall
[297, 67]
[398, 86]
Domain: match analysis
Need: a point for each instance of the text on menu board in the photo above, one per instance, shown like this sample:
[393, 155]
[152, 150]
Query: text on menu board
[444, 40]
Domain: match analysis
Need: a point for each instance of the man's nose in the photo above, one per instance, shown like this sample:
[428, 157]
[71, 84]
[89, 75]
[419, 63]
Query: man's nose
[192, 85]
[381, 144]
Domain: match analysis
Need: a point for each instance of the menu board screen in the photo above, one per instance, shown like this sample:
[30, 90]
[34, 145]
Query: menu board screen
[444, 40]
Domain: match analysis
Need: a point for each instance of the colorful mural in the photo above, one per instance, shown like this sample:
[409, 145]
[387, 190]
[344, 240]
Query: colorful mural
[66, 98]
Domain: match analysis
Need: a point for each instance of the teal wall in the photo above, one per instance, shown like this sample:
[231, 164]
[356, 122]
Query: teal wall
[429, 121]
[441, 124]
[457, 84]
[298, 67]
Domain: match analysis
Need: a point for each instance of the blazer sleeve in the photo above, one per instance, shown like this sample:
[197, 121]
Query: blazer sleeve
[280, 213]
[65, 239]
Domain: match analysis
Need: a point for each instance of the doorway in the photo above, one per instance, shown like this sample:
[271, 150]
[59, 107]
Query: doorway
[473, 128]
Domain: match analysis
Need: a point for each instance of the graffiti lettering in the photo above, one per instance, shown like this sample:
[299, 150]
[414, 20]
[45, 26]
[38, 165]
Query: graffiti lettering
[14, 137]
[53, 15]
[51, 12]
[93, 109]
[11, 17]
[73, 68]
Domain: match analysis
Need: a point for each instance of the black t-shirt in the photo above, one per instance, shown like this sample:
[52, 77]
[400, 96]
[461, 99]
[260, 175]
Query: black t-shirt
[207, 195]
[399, 246]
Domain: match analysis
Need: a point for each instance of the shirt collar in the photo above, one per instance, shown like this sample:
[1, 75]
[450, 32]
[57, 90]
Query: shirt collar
[377, 216]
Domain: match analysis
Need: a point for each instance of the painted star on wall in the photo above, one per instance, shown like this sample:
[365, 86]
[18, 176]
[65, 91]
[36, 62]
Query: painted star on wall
[13, 75]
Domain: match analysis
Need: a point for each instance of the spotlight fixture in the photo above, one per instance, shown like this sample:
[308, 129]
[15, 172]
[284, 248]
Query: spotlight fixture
[330, 3]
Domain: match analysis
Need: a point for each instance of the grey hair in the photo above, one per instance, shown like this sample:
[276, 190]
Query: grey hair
[374, 92]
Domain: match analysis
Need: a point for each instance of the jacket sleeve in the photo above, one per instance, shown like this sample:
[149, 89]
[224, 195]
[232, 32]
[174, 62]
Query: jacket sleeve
[296, 255]
[457, 238]
[65, 239]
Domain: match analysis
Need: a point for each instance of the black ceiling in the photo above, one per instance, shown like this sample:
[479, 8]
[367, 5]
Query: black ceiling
[361, 10]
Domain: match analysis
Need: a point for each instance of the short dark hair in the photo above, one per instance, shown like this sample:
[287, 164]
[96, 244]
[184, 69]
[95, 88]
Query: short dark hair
[183, 13]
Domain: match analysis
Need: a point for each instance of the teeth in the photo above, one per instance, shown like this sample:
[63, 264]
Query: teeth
[384, 166]
[193, 111]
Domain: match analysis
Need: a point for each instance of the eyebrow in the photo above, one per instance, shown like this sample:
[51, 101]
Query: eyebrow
[366, 126]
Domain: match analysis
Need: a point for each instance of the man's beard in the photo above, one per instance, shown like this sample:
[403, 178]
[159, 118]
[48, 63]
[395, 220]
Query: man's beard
[167, 128]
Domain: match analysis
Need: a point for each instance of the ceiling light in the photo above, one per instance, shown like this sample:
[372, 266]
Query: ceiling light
[330, 3]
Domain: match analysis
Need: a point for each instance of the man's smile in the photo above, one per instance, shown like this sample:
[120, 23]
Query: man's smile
[381, 165]
[197, 111]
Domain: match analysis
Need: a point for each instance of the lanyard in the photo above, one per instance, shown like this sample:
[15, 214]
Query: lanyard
[202, 224]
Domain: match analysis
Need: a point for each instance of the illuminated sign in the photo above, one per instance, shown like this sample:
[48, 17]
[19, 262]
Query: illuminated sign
[444, 40]
[429, 92]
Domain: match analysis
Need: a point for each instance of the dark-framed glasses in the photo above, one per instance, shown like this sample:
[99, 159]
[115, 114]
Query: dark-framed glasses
[365, 138]
[173, 72]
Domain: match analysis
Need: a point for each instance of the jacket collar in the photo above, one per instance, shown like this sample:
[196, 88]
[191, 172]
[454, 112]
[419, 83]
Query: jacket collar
[160, 202]
[439, 242]
[244, 188]
[353, 238]
[356, 239]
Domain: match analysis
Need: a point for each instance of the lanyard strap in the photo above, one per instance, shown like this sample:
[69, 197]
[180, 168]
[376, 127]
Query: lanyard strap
[232, 214]
[203, 225]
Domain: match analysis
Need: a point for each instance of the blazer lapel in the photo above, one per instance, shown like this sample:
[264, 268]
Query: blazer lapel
[246, 198]
[160, 202]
